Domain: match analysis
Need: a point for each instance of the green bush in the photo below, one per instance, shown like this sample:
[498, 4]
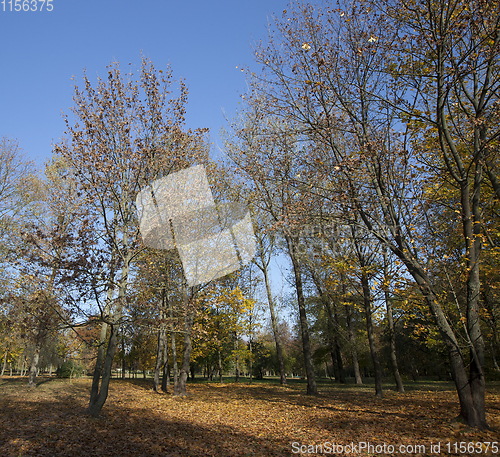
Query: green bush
[69, 369]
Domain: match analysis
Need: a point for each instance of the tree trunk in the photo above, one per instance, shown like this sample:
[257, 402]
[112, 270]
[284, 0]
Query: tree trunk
[160, 348]
[304, 328]
[5, 360]
[98, 395]
[24, 366]
[175, 371]
[94, 391]
[220, 362]
[392, 344]
[392, 333]
[251, 360]
[123, 355]
[159, 357]
[237, 359]
[274, 322]
[494, 359]
[186, 355]
[174, 347]
[34, 366]
[468, 412]
[371, 337]
[335, 365]
[352, 341]
[98, 400]
[333, 325]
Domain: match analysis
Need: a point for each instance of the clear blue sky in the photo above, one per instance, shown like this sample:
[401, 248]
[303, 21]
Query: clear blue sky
[203, 41]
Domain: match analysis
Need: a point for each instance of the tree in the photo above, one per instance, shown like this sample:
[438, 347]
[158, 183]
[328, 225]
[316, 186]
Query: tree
[265, 154]
[265, 245]
[127, 132]
[342, 79]
[457, 45]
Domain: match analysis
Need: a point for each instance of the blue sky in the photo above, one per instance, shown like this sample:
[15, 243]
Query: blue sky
[203, 41]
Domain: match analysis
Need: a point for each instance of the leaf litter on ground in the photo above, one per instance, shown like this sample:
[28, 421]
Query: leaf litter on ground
[233, 419]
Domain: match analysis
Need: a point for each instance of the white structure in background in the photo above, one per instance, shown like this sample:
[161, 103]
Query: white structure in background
[179, 211]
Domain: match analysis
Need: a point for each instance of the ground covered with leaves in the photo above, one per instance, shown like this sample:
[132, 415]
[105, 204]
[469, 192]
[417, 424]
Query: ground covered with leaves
[231, 420]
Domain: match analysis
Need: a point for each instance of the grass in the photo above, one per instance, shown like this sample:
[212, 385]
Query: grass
[262, 419]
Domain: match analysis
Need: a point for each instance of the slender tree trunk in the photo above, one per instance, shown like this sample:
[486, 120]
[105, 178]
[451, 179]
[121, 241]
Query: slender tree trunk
[352, 341]
[96, 405]
[186, 355]
[237, 359]
[472, 231]
[335, 346]
[174, 346]
[5, 360]
[251, 360]
[392, 333]
[306, 344]
[34, 365]
[338, 351]
[159, 357]
[274, 321]
[493, 357]
[165, 380]
[219, 354]
[175, 371]
[24, 366]
[94, 391]
[160, 348]
[392, 344]
[371, 337]
[123, 354]
[98, 394]
[335, 365]
[468, 412]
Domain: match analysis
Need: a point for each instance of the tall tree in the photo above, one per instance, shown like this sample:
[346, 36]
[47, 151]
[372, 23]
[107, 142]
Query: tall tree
[127, 131]
[266, 155]
[343, 78]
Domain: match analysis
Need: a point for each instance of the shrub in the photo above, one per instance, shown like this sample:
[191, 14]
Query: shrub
[69, 369]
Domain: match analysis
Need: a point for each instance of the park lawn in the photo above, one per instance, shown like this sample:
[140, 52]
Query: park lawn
[226, 420]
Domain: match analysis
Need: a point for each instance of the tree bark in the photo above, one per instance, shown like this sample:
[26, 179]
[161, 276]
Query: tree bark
[219, 362]
[34, 365]
[160, 348]
[123, 354]
[392, 333]
[237, 359]
[352, 341]
[392, 344]
[174, 346]
[367, 301]
[274, 322]
[98, 394]
[97, 402]
[159, 356]
[5, 360]
[251, 360]
[186, 355]
[468, 412]
[304, 328]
